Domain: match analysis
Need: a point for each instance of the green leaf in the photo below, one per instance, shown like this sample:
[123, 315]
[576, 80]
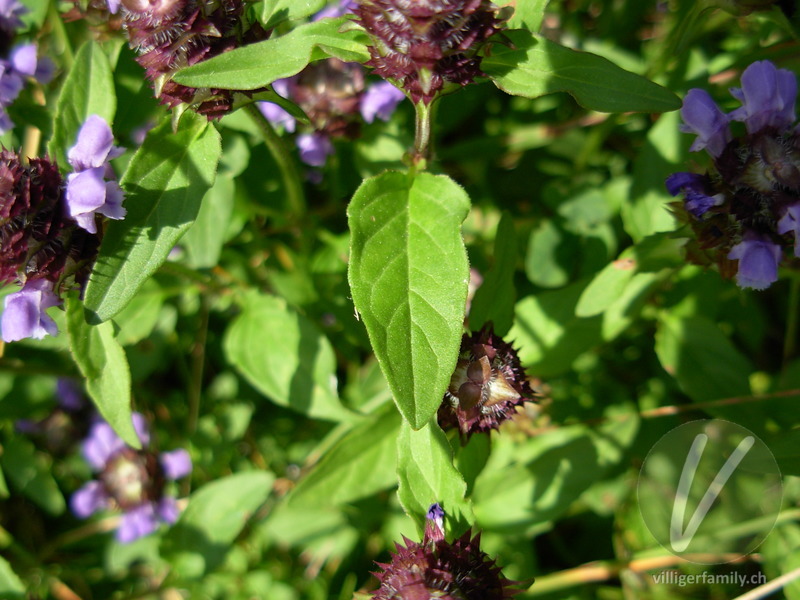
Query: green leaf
[607, 286]
[426, 475]
[216, 514]
[138, 319]
[164, 184]
[552, 255]
[549, 335]
[362, 463]
[533, 66]
[707, 366]
[257, 65]
[550, 471]
[276, 11]
[102, 361]
[408, 274]
[31, 473]
[285, 357]
[11, 587]
[528, 14]
[205, 238]
[87, 90]
[495, 298]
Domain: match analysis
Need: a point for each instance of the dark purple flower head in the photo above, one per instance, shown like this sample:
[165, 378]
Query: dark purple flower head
[436, 568]
[35, 240]
[171, 34]
[425, 44]
[130, 480]
[486, 387]
[743, 208]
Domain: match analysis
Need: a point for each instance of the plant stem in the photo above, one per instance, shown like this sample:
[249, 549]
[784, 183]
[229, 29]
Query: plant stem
[423, 146]
[281, 154]
[771, 587]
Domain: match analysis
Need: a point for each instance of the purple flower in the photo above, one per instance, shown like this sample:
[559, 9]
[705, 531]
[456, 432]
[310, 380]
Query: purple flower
[758, 261]
[336, 10]
[24, 312]
[314, 148]
[380, 100]
[94, 146]
[277, 115]
[11, 83]
[10, 13]
[130, 480]
[88, 193]
[790, 222]
[767, 95]
[113, 6]
[694, 187]
[702, 116]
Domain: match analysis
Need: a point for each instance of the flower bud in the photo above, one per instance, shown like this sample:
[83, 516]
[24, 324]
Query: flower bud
[486, 387]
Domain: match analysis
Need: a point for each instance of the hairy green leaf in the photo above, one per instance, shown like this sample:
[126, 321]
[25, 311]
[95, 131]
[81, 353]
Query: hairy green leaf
[257, 65]
[102, 361]
[359, 465]
[495, 298]
[533, 66]
[276, 11]
[216, 514]
[164, 185]
[426, 475]
[285, 357]
[408, 274]
[87, 90]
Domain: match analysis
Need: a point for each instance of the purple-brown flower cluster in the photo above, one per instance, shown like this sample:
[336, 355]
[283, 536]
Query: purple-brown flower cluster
[422, 45]
[745, 211]
[436, 568]
[48, 228]
[172, 34]
[487, 386]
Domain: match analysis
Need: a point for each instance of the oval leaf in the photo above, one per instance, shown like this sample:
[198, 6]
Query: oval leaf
[533, 66]
[164, 185]
[494, 301]
[285, 357]
[426, 475]
[216, 514]
[88, 90]
[102, 361]
[257, 65]
[408, 274]
[359, 465]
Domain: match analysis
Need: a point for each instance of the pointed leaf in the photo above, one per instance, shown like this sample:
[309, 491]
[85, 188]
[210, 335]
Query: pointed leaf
[285, 357]
[164, 185]
[102, 361]
[87, 90]
[533, 66]
[257, 65]
[426, 475]
[408, 274]
[359, 465]
[494, 301]
[276, 11]
[216, 514]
